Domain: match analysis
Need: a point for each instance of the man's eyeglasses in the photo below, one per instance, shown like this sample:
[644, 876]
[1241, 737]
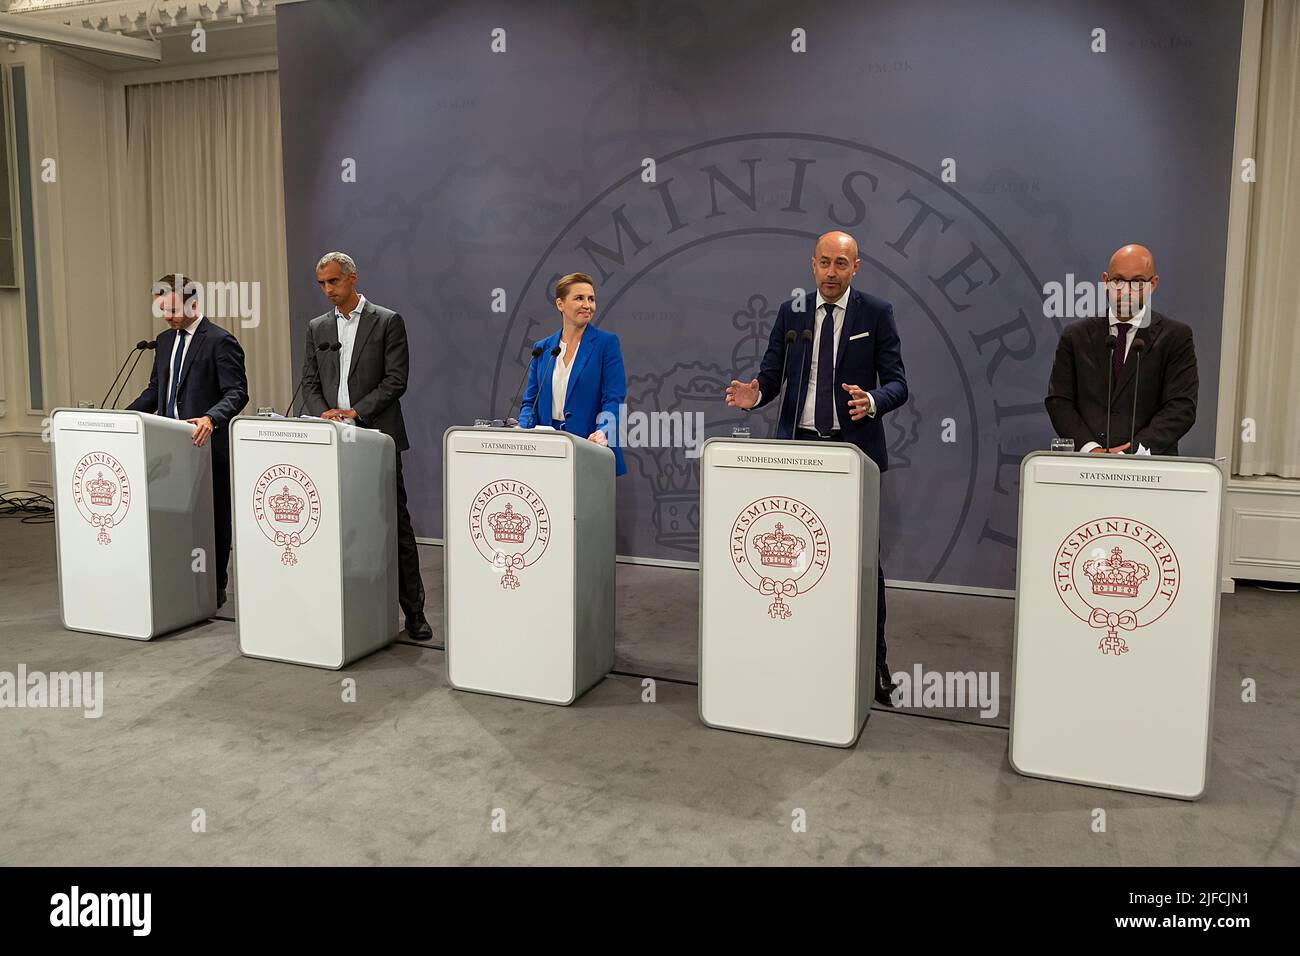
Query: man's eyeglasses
[1118, 281]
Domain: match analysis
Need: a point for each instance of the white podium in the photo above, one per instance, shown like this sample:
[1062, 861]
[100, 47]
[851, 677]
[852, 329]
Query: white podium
[133, 521]
[788, 552]
[1117, 618]
[315, 533]
[528, 521]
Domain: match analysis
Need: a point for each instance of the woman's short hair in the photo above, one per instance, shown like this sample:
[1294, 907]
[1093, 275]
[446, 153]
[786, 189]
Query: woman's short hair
[565, 283]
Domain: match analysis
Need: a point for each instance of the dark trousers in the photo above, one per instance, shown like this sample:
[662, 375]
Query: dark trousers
[221, 518]
[410, 586]
[803, 434]
[880, 613]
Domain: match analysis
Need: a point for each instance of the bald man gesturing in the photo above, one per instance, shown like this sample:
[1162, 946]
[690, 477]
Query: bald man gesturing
[1087, 368]
[851, 376]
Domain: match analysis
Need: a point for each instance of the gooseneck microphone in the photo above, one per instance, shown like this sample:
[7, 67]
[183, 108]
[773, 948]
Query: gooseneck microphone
[1111, 341]
[536, 352]
[139, 346]
[142, 347]
[1138, 346]
[805, 339]
[540, 380]
[322, 347]
[790, 336]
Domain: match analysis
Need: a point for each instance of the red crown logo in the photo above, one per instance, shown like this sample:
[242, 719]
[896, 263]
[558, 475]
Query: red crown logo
[777, 549]
[101, 491]
[509, 525]
[285, 507]
[1115, 576]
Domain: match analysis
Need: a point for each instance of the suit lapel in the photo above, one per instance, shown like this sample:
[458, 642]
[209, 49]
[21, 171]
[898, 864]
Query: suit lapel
[365, 326]
[191, 353]
[327, 363]
[852, 310]
[1148, 336]
[163, 366]
[585, 348]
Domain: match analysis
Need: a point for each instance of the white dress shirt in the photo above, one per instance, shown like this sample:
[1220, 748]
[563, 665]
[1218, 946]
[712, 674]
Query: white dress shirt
[1140, 321]
[808, 417]
[171, 361]
[560, 382]
[347, 326]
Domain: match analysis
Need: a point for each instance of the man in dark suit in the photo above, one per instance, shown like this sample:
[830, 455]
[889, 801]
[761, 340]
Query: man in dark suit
[362, 382]
[198, 376]
[1100, 354]
[852, 375]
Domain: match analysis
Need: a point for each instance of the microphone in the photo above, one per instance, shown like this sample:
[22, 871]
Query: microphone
[142, 344]
[805, 339]
[542, 378]
[1138, 346]
[142, 347]
[322, 347]
[790, 336]
[1111, 341]
[537, 351]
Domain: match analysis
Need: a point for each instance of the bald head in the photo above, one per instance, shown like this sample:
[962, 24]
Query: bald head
[1130, 279]
[1132, 261]
[835, 263]
[834, 243]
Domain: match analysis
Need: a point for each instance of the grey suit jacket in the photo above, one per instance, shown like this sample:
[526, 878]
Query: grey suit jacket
[376, 378]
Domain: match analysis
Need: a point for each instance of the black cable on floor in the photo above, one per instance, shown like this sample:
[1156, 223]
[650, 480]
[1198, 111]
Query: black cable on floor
[31, 506]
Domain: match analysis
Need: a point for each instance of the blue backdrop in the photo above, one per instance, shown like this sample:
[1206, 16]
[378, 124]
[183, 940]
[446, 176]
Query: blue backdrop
[481, 169]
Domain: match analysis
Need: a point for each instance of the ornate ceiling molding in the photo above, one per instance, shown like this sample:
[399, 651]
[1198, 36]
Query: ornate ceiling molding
[141, 18]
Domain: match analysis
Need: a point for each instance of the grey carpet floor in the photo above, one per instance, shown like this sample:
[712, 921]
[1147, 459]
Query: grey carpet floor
[280, 770]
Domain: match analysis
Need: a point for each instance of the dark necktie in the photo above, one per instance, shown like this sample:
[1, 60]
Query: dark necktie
[1121, 342]
[176, 373]
[823, 415]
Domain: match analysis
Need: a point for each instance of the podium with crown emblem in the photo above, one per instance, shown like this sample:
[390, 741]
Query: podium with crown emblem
[133, 523]
[315, 539]
[788, 551]
[528, 523]
[1117, 612]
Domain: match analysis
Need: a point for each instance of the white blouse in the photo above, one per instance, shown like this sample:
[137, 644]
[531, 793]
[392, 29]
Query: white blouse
[560, 383]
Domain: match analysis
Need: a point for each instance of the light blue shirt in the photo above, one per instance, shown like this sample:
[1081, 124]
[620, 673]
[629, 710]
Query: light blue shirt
[347, 337]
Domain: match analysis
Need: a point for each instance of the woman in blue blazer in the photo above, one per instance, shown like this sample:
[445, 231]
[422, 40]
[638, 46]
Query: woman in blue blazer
[582, 388]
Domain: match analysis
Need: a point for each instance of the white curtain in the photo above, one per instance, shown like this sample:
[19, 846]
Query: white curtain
[1269, 392]
[205, 197]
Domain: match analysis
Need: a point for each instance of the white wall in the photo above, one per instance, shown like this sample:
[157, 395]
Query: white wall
[76, 116]
[66, 123]
[1261, 528]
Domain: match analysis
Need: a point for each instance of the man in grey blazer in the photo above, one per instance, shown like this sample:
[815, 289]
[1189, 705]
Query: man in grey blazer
[360, 377]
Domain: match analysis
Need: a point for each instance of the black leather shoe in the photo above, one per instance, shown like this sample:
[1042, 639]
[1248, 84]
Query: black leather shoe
[885, 686]
[419, 628]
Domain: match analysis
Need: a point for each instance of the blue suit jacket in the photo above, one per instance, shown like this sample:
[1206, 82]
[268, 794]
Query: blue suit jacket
[869, 356]
[597, 384]
[212, 382]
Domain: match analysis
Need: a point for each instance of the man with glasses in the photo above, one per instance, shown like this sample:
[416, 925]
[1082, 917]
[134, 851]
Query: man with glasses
[1144, 361]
